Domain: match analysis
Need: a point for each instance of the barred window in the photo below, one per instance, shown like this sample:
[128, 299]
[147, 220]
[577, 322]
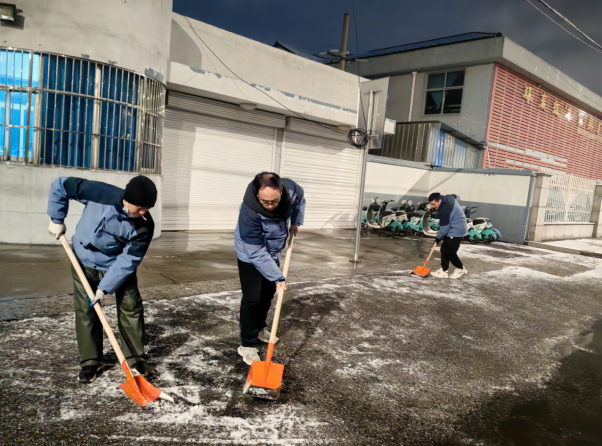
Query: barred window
[66, 111]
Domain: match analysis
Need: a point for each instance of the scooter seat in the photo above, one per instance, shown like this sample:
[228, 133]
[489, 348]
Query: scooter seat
[388, 213]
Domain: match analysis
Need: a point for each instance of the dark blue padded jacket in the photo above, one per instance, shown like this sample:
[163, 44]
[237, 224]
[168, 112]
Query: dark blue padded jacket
[452, 221]
[261, 235]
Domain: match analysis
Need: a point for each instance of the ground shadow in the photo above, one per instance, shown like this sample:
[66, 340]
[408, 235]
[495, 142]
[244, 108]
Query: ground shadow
[566, 410]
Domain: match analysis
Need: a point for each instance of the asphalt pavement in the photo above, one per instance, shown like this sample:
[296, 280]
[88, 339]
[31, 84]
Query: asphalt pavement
[507, 355]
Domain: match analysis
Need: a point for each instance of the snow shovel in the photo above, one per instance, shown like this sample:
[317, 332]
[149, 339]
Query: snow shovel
[422, 271]
[136, 387]
[265, 377]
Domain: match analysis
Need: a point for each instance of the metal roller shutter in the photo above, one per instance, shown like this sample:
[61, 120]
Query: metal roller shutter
[205, 106]
[328, 170]
[207, 164]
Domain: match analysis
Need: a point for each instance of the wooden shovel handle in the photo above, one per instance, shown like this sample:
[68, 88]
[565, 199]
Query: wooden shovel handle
[281, 293]
[97, 307]
[430, 254]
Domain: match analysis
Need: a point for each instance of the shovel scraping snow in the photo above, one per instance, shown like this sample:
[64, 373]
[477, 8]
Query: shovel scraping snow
[265, 377]
[422, 271]
[136, 387]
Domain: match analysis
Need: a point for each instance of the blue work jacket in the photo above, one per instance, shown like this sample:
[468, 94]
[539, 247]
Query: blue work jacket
[106, 237]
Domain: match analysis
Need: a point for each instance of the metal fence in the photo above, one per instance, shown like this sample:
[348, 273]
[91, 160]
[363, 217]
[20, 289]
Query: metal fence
[570, 199]
[65, 111]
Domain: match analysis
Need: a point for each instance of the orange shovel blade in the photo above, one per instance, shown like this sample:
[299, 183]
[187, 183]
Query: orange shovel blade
[421, 271]
[131, 389]
[268, 376]
[139, 389]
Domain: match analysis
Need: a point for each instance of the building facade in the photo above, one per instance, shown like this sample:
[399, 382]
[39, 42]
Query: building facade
[137, 89]
[513, 108]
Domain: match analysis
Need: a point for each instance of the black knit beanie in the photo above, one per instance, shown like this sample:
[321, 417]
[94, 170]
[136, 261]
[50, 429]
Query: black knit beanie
[141, 191]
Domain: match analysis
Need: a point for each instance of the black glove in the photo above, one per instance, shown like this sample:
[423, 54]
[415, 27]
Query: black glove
[437, 241]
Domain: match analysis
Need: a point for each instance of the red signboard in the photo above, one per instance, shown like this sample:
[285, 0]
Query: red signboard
[531, 127]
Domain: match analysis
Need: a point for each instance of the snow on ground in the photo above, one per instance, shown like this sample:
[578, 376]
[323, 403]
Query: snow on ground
[191, 344]
[369, 359]
[582, 244]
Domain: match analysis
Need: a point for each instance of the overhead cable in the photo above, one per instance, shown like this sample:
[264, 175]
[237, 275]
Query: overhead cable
[597, 46]
[260, 90]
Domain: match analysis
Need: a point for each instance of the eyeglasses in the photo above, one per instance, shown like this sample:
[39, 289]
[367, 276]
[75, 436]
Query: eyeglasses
[269, 203]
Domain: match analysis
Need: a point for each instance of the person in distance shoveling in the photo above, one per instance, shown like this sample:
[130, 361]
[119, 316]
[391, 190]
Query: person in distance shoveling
[452, 230]
[269, 204]
[111, 238]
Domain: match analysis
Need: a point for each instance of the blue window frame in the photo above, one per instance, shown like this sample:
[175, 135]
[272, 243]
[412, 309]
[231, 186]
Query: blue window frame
[65, 111]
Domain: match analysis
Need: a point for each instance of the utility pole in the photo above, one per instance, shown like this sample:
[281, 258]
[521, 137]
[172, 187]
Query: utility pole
[343, 50]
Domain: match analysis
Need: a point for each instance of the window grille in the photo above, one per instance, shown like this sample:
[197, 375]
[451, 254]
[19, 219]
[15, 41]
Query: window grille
[65, 111]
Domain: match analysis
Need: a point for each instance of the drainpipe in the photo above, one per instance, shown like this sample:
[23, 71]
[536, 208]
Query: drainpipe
[414, 73]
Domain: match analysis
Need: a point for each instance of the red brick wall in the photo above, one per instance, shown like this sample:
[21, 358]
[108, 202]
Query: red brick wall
[569, 140]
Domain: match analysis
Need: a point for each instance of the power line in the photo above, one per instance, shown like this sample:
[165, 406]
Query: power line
[576, 37]
[556, 23]
[570, 23]
[253, 86]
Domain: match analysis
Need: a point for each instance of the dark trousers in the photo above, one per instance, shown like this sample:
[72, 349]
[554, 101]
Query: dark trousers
[257, 294]
[130, 319]
[449, 250]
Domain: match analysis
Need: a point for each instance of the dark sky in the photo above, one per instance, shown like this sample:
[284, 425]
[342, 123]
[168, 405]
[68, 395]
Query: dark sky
[315, 25]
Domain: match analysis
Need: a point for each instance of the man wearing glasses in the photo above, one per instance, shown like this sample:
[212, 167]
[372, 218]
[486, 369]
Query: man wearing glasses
[269, 204]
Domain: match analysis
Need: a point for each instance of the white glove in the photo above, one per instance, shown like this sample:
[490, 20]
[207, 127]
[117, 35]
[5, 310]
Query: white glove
[56, 229]
[100, 297]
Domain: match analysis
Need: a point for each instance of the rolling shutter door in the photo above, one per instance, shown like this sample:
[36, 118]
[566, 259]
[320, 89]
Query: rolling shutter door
[207, 164]
[328, 170]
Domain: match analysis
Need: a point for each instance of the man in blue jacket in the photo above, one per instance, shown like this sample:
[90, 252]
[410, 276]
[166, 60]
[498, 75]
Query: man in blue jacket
[452, 230]
[269, 204]
[110, 240]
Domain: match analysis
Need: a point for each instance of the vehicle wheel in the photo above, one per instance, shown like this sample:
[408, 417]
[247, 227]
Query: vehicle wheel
[488, 239]
[397, 230]
[474, 240]
[409, 231]
[364, 226]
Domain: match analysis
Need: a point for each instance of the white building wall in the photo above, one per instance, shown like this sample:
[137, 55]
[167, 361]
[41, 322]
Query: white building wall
[132, 34]
[398, 181]
[280, 82]
[501, 197]
[24, 191]
[508, 190]
[472, 120]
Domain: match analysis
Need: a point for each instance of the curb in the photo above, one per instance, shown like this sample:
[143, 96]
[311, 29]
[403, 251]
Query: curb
[565, 250]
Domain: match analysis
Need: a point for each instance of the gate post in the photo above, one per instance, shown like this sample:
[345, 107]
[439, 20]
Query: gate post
[538, 207]
[596, 217]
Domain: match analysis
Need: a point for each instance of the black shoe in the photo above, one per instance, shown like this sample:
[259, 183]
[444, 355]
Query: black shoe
[87, 374]
[145, 369]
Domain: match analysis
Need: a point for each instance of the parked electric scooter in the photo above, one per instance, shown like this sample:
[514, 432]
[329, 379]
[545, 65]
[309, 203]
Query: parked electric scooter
[407, 205]
[377, 215]
[472, 236]
[365, 217]
[398, 226]
[429, 225]
[369, 211]
[480, 229]
[485, 229]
